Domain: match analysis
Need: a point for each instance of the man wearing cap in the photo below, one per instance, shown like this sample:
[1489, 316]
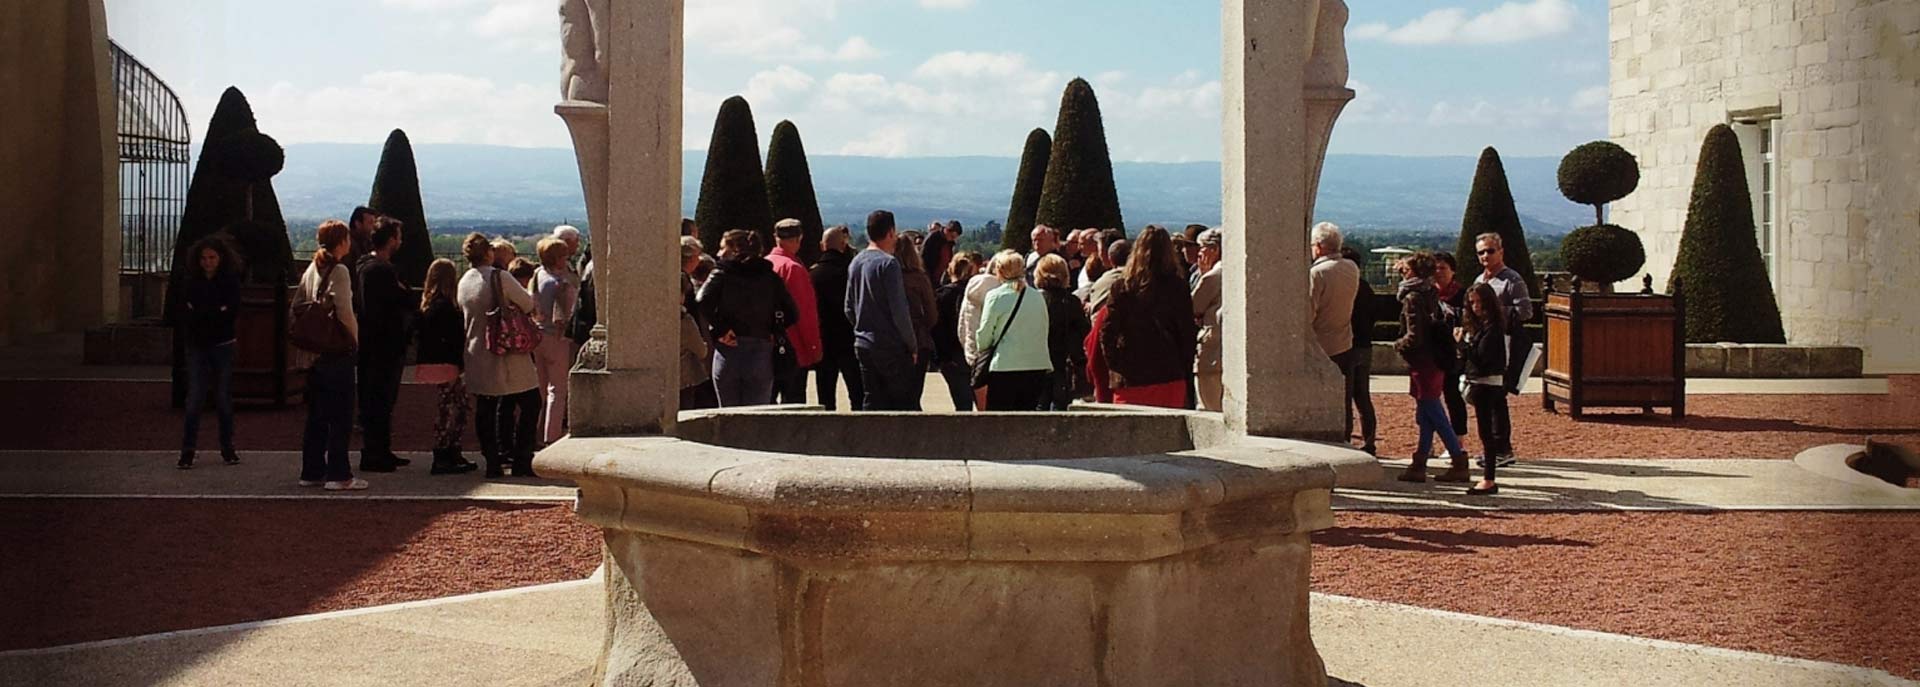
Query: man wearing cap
[790, 385]
[1206, 311]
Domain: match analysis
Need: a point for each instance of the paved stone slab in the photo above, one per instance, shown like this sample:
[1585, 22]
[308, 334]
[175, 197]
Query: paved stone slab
[261, 474]
[1673, 484]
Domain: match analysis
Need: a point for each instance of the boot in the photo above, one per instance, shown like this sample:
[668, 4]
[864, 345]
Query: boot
[186, 459]
[1456, 472]
[1417, 472]
[374, 462]
[495, 469]
[523, 467]
[447, 461]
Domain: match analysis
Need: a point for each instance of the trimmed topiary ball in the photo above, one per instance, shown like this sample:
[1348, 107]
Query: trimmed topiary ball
[1603, 253]
[248, 156]
[1598, 173]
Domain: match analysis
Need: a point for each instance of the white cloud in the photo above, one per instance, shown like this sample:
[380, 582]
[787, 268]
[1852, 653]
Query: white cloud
[531, 25]
[431, 107]
[772, 85]
[856, 49]
[1511, 22]
[946, 4]
[888, 141]
[1584, 111]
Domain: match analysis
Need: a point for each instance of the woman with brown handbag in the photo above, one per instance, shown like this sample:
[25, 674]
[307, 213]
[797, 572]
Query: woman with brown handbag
[328, 285]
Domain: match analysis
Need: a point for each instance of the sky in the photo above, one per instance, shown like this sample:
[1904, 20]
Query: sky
[892, 78]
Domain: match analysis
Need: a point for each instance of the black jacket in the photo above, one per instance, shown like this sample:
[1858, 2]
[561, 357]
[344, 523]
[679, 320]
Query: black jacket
[1365, 313]
[382, 303]
[443, 334]
[1425, 336]
[209, 308]
[1067, 327]
[1485, 353]
[1150, 334]
[744, 296]
[946, 328]
[830, 290]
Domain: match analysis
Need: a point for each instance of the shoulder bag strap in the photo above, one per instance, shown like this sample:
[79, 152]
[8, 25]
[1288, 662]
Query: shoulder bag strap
[494, 282]
[1009, 323]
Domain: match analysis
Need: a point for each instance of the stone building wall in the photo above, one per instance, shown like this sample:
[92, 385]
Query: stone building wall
[59, 169]
[1839, 81]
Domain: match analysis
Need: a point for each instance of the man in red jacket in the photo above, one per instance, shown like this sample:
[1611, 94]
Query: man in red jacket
[790, 383]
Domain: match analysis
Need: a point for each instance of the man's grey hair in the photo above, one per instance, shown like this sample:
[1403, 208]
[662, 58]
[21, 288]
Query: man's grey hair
[1492, 238]
[566, 232]
[689, 247]
[1327, 236]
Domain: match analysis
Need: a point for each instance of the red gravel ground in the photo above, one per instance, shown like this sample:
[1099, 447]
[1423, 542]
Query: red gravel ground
[1838, 587]
[102, 569]
[1748, 426]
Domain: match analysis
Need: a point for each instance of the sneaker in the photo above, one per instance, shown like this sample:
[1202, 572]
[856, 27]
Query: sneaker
[355, 484]
[309, 482]
[1499, 461]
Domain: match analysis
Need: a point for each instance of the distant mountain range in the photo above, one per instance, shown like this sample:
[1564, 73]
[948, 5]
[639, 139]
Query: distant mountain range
[494, 183]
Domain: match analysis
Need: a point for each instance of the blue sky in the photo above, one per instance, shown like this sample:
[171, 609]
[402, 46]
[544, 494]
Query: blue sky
[884, 77]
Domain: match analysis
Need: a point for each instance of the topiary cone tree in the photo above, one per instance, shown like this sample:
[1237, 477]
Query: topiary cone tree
[1720, 271]
[1490, 211]
[217, 200]
[1018, 232]
[733, 192]
[1595, 174]
[1079, 191]
[790, 187]
[396, 194]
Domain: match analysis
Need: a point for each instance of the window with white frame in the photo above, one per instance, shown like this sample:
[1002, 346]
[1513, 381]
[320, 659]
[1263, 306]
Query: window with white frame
[1760, 148]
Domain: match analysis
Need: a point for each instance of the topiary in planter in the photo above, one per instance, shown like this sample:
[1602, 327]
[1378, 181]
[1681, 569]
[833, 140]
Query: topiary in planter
[218, 200]
[1720, 270]
[790, 187]
[396, 194]
[1595, 174]
[1598, 173]
[1490, 211]
[1079, 190]
[1603, 253]
[247, 156]
[733, 191]
[1018, 234]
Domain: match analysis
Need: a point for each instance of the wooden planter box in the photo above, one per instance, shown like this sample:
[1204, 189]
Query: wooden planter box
[266, 366]
[1612, 350]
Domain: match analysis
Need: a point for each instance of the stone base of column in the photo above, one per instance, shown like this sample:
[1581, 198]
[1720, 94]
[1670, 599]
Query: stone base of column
[614, 403]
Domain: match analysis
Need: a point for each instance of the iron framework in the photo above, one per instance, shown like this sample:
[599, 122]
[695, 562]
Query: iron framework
[155, 149]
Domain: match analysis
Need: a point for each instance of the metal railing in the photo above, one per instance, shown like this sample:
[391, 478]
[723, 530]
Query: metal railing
[155, 151]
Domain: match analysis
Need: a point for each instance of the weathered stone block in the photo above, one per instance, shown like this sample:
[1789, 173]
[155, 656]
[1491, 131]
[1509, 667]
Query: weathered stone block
[1706, 360]
[1779, 361]
[1830, 362]
[1739, 360]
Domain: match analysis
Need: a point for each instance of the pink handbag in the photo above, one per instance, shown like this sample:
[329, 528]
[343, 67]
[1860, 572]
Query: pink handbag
[509, 329]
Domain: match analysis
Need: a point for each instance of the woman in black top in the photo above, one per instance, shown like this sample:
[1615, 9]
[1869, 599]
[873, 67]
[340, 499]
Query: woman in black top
[441, 358]
[745, 304]
[948, 354]
[1067, 328]
[211, 304]
[1485, 361]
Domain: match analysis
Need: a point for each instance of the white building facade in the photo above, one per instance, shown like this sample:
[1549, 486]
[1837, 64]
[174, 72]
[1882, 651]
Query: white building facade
[1825, 95]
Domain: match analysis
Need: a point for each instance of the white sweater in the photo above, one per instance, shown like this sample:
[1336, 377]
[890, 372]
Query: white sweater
[976, 298]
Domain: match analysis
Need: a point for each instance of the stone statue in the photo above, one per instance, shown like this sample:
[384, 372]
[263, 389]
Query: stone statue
[1327, 53]
[582, 41]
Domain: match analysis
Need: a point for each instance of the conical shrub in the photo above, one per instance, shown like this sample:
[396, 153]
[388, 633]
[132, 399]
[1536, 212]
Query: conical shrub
[396, 194]
[1018, 233]
[733, 192]
[1079, 191]
[1720, 271]
[218, 200]
[1490, 210]
[790, 187]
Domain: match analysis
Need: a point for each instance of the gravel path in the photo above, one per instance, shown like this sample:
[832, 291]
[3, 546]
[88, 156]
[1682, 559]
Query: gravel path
[116, 568]
[1836, 587]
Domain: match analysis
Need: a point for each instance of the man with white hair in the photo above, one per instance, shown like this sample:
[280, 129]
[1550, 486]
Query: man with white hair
[1332, 284]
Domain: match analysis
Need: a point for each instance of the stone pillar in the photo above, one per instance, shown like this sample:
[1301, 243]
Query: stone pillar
[1278, 381]
[637, 249]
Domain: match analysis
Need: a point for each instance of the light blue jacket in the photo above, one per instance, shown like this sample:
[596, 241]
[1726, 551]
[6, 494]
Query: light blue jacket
[1024, 348]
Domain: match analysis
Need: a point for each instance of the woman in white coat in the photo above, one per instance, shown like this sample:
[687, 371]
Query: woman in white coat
[507, 407]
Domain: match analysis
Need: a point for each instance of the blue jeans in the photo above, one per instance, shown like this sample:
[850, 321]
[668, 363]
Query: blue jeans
[209, 367]
[743, 372]
[323, 449]
[1432, 415]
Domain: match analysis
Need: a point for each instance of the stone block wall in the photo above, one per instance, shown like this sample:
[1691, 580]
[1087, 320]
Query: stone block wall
[1840, 82]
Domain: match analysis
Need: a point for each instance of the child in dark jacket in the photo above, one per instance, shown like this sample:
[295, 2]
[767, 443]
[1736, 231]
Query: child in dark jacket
[441, 358]
[1485, 354]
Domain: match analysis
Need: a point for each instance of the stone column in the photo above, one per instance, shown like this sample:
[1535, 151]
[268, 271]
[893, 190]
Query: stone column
[1278, 381]
[637, 251]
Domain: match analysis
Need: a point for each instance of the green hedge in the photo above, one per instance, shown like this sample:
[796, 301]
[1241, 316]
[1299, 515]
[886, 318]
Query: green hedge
[1079, 191]
[1490, 211]
[1720, 271]
[733, 191]
[790, 187]
[1018, 232]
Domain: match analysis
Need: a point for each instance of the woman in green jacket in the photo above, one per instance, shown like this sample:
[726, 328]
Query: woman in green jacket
[1013, 327]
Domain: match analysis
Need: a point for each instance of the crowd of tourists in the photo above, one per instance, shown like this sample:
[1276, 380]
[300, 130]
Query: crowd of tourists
[1087, 315]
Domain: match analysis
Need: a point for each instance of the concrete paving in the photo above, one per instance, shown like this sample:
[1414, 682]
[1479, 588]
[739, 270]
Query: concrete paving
[261, 474]
[1610, 485]
[551, 636]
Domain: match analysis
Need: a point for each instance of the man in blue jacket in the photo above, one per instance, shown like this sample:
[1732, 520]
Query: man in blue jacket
[876, 304]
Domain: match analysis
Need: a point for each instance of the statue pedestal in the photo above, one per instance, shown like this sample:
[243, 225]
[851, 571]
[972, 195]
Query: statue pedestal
[1111, 547]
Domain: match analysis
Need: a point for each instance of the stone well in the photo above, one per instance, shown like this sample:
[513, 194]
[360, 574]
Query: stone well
[798, 547]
